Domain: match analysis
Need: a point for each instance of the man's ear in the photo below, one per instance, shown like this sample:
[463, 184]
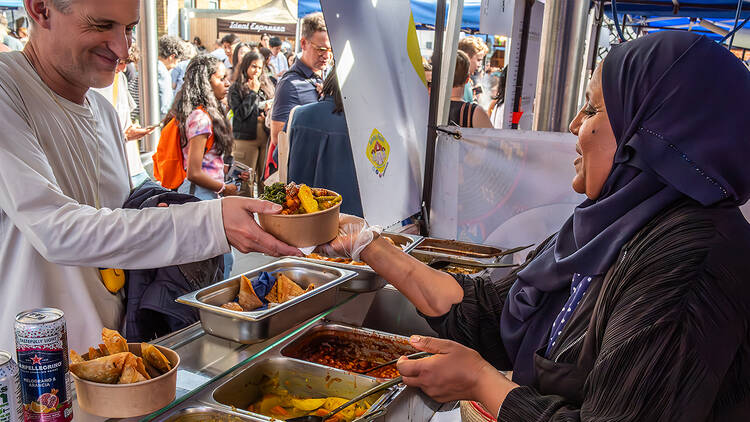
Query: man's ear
[38, 11]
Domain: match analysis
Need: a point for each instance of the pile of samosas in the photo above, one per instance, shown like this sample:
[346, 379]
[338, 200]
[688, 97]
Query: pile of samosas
[113, 363]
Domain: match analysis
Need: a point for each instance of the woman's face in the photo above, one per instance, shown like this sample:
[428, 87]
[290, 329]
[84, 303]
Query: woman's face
[596, 142]
[220, 82]
[256, 66]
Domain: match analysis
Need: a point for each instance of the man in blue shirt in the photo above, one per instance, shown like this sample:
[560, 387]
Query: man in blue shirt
[300, 83]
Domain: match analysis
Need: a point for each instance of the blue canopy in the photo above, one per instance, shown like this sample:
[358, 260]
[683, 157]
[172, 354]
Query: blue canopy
[11, 3]
[710, 9]
[423, 10]
[662, 15]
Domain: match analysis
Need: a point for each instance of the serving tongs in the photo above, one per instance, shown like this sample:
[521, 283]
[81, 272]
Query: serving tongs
[391, 362]
[374, 390]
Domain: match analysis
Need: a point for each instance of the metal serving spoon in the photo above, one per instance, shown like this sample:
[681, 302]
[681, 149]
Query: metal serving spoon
[378, 388]
[389, 363]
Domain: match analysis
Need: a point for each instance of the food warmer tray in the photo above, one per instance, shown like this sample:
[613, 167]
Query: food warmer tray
[233, 393]
[460, 252]
[366, 279]
[255, 326]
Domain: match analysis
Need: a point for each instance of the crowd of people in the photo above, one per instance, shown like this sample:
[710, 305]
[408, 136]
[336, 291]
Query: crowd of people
[635, 309]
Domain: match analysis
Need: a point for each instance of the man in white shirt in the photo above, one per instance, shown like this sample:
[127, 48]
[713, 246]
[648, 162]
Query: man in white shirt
[278, 60]
[64, 176]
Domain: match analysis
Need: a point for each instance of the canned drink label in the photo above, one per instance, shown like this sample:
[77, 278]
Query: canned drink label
[10, 402]
[43, 369]
[43, 376]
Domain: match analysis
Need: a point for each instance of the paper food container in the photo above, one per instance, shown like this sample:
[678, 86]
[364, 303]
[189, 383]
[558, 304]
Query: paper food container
[129, 400]
[302, 230]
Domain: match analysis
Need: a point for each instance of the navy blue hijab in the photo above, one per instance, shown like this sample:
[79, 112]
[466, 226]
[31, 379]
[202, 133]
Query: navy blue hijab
[676, 102]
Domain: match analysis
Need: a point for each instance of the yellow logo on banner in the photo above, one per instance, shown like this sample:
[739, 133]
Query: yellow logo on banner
[378, 152]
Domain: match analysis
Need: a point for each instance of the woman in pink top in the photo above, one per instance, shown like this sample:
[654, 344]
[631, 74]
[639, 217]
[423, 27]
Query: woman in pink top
[205, 133]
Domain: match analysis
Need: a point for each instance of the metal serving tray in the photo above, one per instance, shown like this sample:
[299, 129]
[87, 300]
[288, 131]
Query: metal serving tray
[428, 258]
[255, 326]
[301, 379]
[458, 248]
[366, 279]
[205, 414]
[361, 344]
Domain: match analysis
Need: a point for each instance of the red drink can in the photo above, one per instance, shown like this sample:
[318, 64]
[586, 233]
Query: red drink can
[42, 352]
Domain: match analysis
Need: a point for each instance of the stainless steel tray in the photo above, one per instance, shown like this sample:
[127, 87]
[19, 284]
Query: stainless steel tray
[428, 258]
[360, 344]
[205, 414]
[457, 252]
[301, 379]
[366, 279]
[255, 326]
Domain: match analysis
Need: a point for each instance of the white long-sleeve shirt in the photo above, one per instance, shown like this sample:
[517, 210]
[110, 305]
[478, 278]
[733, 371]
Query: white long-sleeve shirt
[52, 237]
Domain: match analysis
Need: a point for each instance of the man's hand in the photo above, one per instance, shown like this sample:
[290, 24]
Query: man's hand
[244, 233]
[454, 372]
[135, 132]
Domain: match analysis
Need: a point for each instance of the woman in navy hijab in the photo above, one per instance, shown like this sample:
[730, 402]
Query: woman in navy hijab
[638, 309]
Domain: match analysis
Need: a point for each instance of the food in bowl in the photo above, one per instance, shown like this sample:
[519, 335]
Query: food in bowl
[113, 363]
[265, 290]
[300, 199]
[276, 402]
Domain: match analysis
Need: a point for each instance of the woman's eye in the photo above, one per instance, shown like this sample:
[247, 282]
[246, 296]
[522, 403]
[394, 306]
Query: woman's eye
[589, 110]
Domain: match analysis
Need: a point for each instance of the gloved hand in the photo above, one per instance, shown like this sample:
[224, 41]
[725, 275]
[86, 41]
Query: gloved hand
[354, 236]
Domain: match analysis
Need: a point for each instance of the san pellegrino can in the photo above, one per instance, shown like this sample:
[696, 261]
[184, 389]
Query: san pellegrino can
[10, 390]
[42, 352]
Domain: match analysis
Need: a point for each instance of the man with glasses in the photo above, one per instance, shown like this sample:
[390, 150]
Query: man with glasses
[300, 83]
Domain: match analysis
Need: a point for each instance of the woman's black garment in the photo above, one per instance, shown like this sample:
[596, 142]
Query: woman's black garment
[668, 148]
[663, 336]
[246, 108]
[462, 113]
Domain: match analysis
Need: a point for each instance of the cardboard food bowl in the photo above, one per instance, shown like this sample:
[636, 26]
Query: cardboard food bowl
[302, 230]
[129, 400]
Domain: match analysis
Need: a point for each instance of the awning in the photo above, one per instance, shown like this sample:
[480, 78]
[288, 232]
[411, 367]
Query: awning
[423, 11]
[710, 9]
[275, 18]
[11, 3]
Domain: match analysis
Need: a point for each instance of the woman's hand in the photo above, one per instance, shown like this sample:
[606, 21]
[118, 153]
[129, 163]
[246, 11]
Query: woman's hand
[354, 236]
[253, 84]
[454, 372]
[245, 175]
[230, 189]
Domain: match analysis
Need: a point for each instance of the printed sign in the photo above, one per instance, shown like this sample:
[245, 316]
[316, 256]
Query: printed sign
[240, 27]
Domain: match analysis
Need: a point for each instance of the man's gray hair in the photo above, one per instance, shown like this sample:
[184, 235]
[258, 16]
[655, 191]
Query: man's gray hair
[62, 5]
[169, 45]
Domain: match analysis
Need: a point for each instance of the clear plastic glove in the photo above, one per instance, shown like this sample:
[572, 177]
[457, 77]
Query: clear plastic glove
[354, 236]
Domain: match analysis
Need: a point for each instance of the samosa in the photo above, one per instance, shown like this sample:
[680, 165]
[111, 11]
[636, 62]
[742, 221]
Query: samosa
[130, 373]
[106, 369]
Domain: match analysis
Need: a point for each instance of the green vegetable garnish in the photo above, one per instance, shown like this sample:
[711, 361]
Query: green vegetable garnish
[275, 193]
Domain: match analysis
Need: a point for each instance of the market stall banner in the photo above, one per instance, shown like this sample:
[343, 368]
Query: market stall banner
[503, 187]
[241, 27]
[382, 81]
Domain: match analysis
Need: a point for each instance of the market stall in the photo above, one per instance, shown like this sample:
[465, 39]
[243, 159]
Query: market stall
[362, 323]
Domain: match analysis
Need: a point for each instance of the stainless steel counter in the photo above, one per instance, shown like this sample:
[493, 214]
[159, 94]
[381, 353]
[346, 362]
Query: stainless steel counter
[208, 361]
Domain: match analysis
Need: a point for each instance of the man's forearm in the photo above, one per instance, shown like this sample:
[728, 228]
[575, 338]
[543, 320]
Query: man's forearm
[276, 128]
